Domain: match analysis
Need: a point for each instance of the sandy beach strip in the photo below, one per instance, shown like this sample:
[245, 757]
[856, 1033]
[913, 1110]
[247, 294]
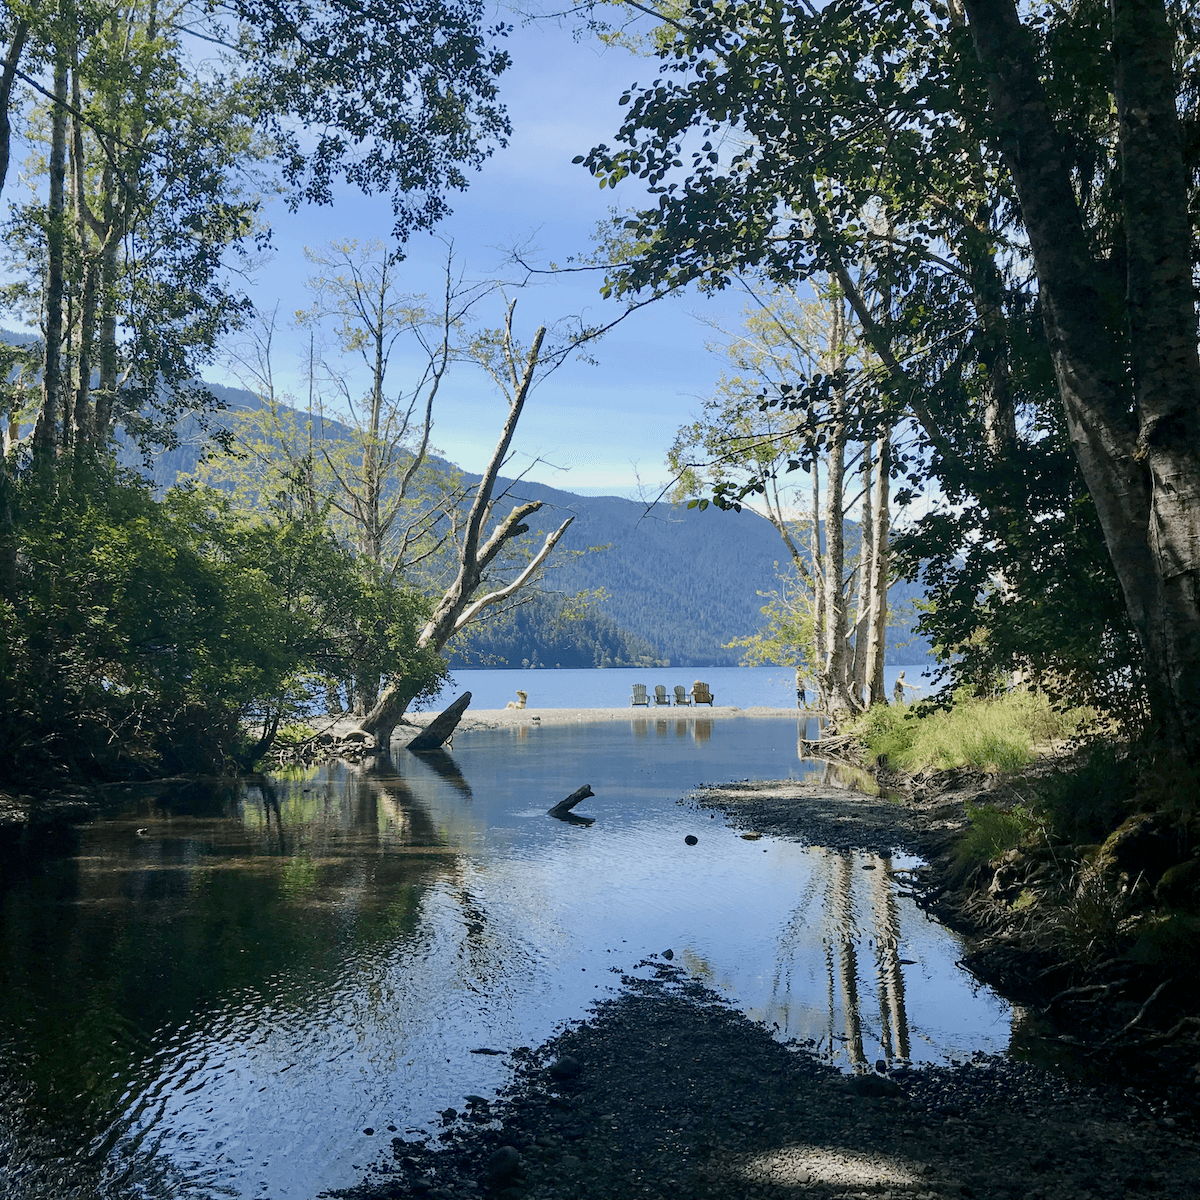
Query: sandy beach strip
[515, 718]
[504, 718]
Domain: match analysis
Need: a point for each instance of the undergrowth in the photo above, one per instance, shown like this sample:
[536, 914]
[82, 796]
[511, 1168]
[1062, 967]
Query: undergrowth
[998, 734]
[1086, 801]
[992, 831]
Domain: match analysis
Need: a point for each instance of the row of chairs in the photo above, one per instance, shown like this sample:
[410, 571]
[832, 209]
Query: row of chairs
[699, 695]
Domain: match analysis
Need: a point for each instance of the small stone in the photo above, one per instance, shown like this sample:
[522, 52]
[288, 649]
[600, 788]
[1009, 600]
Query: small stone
[874, 1085]
[368, 1131]
[449, 1114]
[668, 954]
[691, 839]
[751, 837]
[503, 1166]
[566, 1068]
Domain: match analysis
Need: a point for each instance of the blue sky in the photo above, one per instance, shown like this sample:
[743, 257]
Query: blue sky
[608, 426]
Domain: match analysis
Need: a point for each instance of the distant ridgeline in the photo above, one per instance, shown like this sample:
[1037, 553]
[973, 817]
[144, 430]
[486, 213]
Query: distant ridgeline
[683, 580]
[680, 582]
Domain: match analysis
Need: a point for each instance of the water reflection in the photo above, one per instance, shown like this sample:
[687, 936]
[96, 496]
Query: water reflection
[700, 729]
[223, 988]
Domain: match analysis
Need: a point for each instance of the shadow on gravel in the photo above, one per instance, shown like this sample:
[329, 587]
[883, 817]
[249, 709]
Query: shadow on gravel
[667, 1092]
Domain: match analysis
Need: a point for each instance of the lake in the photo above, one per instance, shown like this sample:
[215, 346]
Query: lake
[221, 992]
[742, 687]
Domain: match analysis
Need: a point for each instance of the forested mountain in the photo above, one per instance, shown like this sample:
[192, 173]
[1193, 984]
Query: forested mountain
[542, 631]
[680, 582]
[684, 580]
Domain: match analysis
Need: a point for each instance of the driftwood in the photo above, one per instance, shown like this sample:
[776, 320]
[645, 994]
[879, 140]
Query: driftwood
[441, 727]
[562, 810]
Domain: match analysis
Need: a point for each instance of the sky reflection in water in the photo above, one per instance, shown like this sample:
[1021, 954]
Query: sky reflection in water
[225, 991]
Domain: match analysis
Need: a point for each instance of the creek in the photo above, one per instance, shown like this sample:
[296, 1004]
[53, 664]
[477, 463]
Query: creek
[250, 991]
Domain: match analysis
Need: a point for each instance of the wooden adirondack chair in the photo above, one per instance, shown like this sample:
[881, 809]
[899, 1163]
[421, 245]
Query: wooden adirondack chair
[681, 696]
[701, 694]
[660, 696]
[639, 696]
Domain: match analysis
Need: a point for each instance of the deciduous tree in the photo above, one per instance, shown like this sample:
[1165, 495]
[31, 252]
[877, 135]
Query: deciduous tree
[1017, 170]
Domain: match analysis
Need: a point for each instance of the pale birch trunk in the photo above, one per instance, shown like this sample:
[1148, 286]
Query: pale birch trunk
[874, 690]
[862, 604]
[817, 559]
[85, 334]
[8, 76]
[45, 436]
[836, 673]
[459, 605]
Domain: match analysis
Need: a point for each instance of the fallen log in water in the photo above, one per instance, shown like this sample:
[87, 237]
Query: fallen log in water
[441, 727]
[562, 810]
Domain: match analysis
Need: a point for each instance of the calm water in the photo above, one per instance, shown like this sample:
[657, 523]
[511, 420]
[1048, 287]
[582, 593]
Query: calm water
[218, 994]
[742, 687]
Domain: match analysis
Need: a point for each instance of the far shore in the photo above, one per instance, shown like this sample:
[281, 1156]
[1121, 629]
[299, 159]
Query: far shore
[504, 718]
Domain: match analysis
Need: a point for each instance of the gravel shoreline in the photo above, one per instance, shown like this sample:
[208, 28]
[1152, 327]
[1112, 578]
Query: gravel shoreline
[668, 1092]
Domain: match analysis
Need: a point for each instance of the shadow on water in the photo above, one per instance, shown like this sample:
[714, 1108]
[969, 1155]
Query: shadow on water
[204, 908]
[223, 988]
[440, 761]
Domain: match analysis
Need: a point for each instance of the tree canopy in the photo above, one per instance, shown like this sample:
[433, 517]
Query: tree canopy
[1005, 200]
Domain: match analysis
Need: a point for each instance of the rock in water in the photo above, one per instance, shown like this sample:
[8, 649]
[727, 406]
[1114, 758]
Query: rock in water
[441, 727]
[691, 839]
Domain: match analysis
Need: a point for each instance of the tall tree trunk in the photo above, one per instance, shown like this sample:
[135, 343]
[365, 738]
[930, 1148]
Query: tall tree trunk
[836, 671]
[106, 384]
[86, 330]
[818, 570]
[8, 544]
[1162, 326]
[8, 77]
[862, 605]
[875, 690]
[1143, 479]
[45, 435]
[116, 204]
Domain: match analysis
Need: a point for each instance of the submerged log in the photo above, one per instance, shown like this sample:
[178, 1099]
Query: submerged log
[562, 810]
[441, 727]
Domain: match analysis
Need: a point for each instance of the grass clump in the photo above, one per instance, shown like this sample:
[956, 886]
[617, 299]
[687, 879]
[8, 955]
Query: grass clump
[991, 734]
[992, 832]
[294, 734]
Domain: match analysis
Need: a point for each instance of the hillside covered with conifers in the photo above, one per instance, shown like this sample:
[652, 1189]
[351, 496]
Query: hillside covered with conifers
[680, 583]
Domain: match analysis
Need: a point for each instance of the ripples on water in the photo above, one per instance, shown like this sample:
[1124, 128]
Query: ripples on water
[220, 992]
